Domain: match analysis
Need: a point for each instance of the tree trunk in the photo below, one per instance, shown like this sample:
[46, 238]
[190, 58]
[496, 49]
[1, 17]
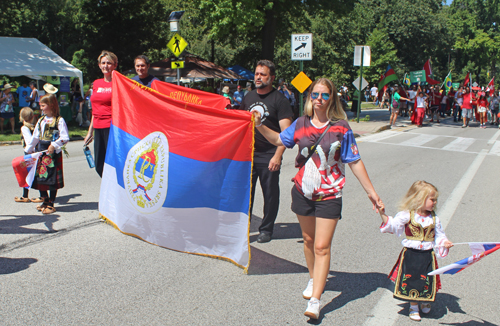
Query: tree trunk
[212, 56]
[269, 35]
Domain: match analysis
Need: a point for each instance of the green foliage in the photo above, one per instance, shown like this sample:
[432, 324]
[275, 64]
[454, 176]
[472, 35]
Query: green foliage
[402, 33]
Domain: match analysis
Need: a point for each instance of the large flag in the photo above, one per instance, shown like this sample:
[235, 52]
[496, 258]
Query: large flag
[24, 168]
[447, 82]
[190, 95]
[479, 250]
[491, 86]
[428, 73]
[388, 76]
[177, 174]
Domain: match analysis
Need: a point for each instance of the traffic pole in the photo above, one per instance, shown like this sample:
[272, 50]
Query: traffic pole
[301, 96]
[360, 82]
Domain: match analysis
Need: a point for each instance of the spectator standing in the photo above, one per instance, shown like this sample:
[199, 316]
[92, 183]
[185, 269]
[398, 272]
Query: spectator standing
[101, 109]
[436, 98]
[276, 115]
[457, 109]
[33, 98]
[22, 94]
[494, 104]
[7, 107]
[467, 97]
[142, 64]
[238, 97]
[411, 103]
[374, 93]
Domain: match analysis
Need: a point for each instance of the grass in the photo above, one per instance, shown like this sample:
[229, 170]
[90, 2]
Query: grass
[366, 118]
[74, 131]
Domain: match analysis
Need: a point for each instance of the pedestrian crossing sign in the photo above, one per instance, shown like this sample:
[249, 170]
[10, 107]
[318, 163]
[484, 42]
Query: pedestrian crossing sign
[177, 44]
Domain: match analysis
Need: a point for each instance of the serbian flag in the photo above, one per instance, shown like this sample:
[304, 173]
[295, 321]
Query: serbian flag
[388, 76]
[467, 79]
[177, 174]
[479, 251]
[24, 169]
[190, 95]
[428, 73]
[491, 86]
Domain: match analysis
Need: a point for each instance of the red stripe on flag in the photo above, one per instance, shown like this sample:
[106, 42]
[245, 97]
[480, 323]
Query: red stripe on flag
[193, 131]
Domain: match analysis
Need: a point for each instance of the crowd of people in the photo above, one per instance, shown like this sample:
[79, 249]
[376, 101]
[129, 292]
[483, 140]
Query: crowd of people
[325, 144]
[466, 104]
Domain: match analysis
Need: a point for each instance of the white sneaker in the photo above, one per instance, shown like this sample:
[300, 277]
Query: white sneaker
[313, 308]
[308, 292]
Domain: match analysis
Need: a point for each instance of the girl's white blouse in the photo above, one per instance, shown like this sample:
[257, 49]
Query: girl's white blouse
[396, 225]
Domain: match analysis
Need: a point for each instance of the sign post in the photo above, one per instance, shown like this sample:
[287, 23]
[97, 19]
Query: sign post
[301, 51]
[360, 60]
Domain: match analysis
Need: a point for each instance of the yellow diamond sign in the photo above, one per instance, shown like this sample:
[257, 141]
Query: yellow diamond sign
[177, 44]
[301, 82]
[177, 64]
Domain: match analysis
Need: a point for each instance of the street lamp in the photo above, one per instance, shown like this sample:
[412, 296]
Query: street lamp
[173, 19]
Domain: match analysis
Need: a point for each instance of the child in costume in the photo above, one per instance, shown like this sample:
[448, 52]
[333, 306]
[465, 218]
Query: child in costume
[425, 239]
[50, 134]
[26, 116]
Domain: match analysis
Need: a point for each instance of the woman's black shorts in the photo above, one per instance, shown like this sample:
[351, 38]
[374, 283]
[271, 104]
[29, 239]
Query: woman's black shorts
[331, 208]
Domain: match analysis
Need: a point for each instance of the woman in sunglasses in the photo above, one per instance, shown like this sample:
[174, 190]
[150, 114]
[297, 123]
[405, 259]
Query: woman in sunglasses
[326, 143]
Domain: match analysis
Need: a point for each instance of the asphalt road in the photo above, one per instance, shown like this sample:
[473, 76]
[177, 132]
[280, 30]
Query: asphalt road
[71, 269]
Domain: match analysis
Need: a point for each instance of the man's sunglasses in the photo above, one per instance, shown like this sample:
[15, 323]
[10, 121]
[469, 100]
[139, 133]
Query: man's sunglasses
[325, 96]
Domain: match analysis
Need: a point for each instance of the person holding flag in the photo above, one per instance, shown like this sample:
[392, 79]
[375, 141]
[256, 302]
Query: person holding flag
[425, 239]
[494, 104]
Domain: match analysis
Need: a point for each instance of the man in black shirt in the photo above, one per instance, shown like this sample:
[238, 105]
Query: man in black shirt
[277, 115]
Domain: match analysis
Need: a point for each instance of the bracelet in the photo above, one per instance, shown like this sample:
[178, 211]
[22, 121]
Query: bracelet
[259, 125]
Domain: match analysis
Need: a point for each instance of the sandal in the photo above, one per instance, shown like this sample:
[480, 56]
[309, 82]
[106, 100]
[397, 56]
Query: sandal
[37, 200]
[425, 308]
[49, 210]
[41, 207]
[21, 200]
[414, 315]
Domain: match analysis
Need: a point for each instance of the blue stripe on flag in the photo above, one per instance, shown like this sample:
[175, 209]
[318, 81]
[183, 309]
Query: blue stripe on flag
[453, 271]
[223, 185]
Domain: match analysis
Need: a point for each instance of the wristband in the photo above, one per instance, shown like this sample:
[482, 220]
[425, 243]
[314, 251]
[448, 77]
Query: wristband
[259, 125]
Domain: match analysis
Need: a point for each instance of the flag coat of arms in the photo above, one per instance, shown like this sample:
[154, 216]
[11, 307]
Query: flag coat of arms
[178, 174]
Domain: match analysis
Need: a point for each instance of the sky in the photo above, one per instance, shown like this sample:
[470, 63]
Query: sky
[448, 2]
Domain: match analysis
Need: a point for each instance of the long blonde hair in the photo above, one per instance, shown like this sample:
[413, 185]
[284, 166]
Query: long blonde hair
[416, 195]
[334, 112]
[26, 117]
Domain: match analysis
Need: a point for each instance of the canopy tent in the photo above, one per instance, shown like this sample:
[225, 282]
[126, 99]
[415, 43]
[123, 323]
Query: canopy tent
[194, 67]
[29, 57]
[243, 72]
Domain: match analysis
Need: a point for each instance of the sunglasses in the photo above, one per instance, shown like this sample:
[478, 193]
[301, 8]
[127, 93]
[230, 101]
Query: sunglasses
[324, 96]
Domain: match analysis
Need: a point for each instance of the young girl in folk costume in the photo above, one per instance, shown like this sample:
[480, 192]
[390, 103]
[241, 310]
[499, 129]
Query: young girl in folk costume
[50, 134]
[425, 239]
[26, 117]
[482, 108]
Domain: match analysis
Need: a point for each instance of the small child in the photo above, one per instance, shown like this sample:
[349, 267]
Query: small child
[26, 117]
[425, 238]
[482, 108]
[50, 134]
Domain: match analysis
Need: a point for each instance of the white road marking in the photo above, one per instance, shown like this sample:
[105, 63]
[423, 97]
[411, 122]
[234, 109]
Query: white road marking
[386, 310]
[496, 148]
[460, 144]
[378, 136]
[419, 140]
[494, 138]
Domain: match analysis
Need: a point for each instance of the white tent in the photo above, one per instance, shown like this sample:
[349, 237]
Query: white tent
[28, 56]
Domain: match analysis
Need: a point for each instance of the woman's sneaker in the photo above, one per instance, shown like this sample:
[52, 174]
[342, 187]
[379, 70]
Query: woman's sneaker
[308, 292]
[313, 308]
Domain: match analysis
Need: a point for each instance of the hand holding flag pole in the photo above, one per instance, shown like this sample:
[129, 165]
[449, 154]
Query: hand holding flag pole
[479, 250]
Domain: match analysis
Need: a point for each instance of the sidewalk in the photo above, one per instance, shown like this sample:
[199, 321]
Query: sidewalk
[378, 121]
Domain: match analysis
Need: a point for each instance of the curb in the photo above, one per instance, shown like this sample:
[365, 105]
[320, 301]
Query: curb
[379, 129]
[19, 142]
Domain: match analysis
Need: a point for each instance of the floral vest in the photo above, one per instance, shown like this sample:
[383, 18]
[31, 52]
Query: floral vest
[415, 231]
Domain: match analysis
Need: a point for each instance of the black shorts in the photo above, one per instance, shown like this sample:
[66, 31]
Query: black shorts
[331, 208]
